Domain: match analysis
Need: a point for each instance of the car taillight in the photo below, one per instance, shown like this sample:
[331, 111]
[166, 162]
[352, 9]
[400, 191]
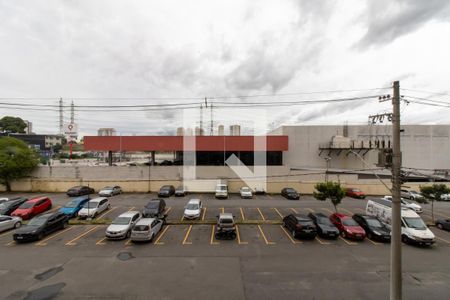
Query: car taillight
[298, 226]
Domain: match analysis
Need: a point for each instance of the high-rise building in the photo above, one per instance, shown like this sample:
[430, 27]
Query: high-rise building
[220, 130]
[29, 128]
[235, 130]
[180, 131]
[106, 132]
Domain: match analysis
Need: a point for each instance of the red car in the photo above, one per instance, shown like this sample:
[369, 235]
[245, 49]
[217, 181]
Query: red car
[348, 227]
[32, 208]
[355, 193]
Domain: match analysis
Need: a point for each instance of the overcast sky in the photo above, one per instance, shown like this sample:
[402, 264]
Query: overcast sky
[196, 49]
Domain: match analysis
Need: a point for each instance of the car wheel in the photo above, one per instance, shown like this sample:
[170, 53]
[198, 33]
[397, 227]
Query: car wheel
[344, 235]
[151, 238]
[404, 239]
[17, 225]
[128, 234]
[293, 233]
[64, 225]
[40, 236]
[109, 206]
[94, 216]
[369, 236]
[440, 226]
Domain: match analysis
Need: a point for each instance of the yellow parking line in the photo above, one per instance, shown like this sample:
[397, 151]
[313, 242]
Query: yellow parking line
[182, 218]
[294, 210]
[204, 213]
[268, 195]
[12, 243]
[167, 210]
[185, 242]
[101, 241]
[107, 212]
[448, 242]
[131, 208]
[7, 233]
[72, 242]
[278, 212]
[347, 211]
[223, 210]
[239, 237]
[161, 235]
[264, 237]
[327, 210]
[128, 242]
[213, 242]
[242, 213]
[348, 243]
[289, 236]
[43, 242]
[310, 210]
[262, 216]
[322, 242]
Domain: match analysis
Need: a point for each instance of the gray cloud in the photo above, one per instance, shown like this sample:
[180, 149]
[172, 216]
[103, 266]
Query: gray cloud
[389, 19]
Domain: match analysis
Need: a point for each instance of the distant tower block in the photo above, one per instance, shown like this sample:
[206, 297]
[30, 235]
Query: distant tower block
[235, 130]
[106, 132]
[180, 131]
[188, 132]
[199, 131]
[220, 130]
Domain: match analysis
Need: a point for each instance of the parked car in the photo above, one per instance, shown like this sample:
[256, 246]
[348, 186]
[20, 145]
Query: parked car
[225, 227]
[246, 192]
[79, 191]
[7, 222]
[413, 228]
[109, 191]
[374, 228]
[300, 226]
[355, 193]
[93, 208]
[180, 191]
[193, 209]
[445, 197]
[121, 227]
[410, 194]
[259, 191]
[146, 229]
[348, 227]
[2, 200]
[154, 208]
[290, 193]
[415, 207]
[6, 208]
[324, 226]
[40, 226]
[33, 207]
[221, 191]
[443, 224]
[72, 208]
[166, 191]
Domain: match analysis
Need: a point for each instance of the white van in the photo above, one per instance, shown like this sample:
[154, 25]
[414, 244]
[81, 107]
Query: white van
[221, 190]
[414, 229]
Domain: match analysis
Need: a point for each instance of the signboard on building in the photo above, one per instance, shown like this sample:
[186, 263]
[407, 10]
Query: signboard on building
[71, 131]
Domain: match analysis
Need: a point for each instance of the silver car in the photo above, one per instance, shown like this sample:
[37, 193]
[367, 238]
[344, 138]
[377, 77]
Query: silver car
[110, 191]
[146, 229]
[7, 222]
[121, 227]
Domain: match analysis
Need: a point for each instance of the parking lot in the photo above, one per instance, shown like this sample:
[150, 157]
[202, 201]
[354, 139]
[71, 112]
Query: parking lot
[183, 252]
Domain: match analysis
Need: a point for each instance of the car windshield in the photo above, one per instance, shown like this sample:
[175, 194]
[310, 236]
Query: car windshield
[37, 221]
[121, 221]
[374, 223]
[152, 205]
[290, 190]
[91, 205]
[165, 188]
[141, 228]
[415, 223]
[27, 205]
[349, 222]
[246, 189]
[108, 188]
[356, 190]
[71, 204]
[192, 206]
[226, 220]
[324, 221]
[414, 192]
[305, 222]
[222, 187]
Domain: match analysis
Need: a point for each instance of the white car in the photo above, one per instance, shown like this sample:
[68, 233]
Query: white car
[410, 194]
[445, 197]
[246, 192]
[415, 207]
[193, 209]
[121, 227]
[3, 200]
[7, 222]
[110, 191]
[221, 191]
[146, 229]
[93, 208]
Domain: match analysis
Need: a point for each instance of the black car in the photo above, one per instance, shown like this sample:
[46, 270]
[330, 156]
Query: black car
[300, 226]
[443, 224]
[166, 191]
[6, 208]
[154, 208]
[40, 226]
[324, 226]
[375, 230]
[79, 191]
[290, 193]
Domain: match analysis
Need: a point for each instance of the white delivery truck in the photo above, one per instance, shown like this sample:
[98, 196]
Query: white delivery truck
[414, 229]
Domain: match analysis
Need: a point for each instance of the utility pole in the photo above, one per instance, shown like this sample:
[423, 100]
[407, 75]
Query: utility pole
[61, 120]
[396, 246]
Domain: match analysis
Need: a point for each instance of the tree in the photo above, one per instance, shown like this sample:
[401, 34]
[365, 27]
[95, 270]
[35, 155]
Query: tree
[13, 124]
[432, 193]
[329, 190]
[16, 160]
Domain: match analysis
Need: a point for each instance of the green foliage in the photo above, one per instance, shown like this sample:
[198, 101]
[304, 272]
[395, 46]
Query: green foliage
[434, 192]
[16, 160]
[329, 190]
[12, 124]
